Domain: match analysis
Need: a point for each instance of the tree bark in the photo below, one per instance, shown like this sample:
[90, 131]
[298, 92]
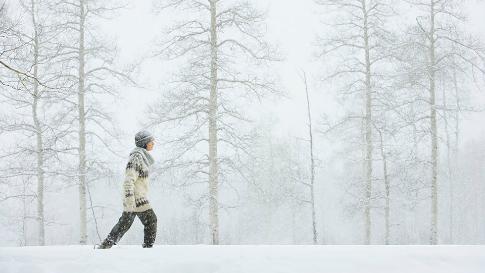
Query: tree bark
[452, 170]
[38, 133]
[82, 128]
[312, 165]
[434, 133]
[213, 164]
[368, 129]
[387, 208]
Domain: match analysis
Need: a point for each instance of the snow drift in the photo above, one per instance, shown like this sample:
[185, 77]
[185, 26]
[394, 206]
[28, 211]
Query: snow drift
[245, 258]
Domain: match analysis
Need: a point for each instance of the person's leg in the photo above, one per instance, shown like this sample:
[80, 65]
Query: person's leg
[149, 220]
[124, 223]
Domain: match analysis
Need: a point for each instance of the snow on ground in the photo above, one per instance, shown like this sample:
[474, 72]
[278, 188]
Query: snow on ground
[245, 258]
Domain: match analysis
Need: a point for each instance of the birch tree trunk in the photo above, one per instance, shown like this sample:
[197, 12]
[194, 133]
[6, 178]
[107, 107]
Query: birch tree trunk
[82, 129]
[434, 132]
[387, 186]
[213, 166]
[312, 165]
[24, 215]
[368, 129]
[38, 131]
[452, 170]
[448, 159]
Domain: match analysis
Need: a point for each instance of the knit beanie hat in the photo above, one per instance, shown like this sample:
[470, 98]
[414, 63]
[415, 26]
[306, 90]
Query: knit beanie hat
[142, 138]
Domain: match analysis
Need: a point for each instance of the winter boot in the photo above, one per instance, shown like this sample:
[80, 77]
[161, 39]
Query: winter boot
[106, 244]
[145, 245]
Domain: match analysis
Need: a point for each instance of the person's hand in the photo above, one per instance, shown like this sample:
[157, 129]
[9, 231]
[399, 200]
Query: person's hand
[129, 203]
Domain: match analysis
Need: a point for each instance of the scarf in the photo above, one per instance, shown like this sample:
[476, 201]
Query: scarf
[147, 158]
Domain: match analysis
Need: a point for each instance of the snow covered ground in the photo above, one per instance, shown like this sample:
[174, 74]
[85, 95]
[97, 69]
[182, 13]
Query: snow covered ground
[246, 258]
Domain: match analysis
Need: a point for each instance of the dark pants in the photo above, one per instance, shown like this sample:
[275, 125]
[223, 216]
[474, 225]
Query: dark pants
[147, 218]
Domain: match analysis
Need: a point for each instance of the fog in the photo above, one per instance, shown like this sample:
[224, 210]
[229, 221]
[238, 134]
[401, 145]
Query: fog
[264, 177]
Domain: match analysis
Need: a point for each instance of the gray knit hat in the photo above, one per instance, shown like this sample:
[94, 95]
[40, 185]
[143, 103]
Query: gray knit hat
[142, 138]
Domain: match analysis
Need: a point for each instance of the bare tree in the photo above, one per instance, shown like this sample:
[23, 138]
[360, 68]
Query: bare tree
[277, 189]
[311, 185]
[440, 36]
[38, 57]
[361, 43]
[33, 10]
[91, 70]
[213, 37]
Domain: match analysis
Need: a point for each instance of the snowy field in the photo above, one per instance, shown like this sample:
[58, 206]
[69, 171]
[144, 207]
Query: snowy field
[247, 259]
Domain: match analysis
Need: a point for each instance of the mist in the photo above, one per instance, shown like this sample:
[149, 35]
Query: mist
[294, 127]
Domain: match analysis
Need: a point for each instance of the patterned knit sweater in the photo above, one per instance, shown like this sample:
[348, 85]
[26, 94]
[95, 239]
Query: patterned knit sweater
[136, 181]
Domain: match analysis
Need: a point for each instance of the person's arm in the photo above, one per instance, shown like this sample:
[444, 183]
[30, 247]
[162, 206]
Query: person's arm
[131, 175]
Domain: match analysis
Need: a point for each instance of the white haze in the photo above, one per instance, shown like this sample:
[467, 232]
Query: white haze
[292, 26]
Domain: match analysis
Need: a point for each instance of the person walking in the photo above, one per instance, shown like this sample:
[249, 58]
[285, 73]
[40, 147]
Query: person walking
[135, 188]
